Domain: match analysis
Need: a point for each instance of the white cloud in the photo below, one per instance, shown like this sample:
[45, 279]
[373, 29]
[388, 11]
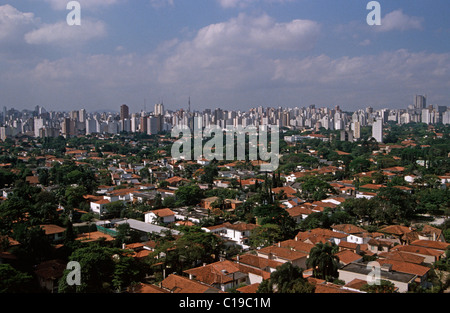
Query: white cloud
[61, 34]
[254, 33]
[397, 20]
[232, 54]
[14, 23]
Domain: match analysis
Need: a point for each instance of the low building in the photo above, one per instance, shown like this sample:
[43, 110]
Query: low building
[165, 216]
[237, 233]
[366, 271]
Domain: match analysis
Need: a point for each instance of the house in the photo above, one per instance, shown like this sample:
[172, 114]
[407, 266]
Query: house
[299, 213]
[316, 235]
[402, 257]
[54, 233]
[430, 255]
[194, 215]
[367, 270]
[98, 207]
[437, 245]
[238, 233]
[48, 274]
[354, 233]
[431, 233]
[398, 232]
[346, 257]
[207, 202]
[283, 255]
[176, 181]
[297, 245]
[251, 260]
[379, 245]
[145, 228]
[166, 216]
[419, 271]
[179, 284]
[222, 275]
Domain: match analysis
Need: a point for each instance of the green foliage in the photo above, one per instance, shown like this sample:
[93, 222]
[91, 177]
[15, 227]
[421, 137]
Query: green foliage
[265, 235]
[287, 278]
[315, 188]
[13, 281]
[103, 270]
[323, 260]
[188, 195]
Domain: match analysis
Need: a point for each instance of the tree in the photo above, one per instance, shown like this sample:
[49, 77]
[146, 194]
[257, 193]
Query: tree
[323, 260]
[14, 281]
[265, 235]
[45, 208]
[287, 278]
[103, 270]
[34, 245]
[273, 214]
[74, 196]
[400, 199]
[360, 164]
[188, 195]
[315, 188]
[194, 247]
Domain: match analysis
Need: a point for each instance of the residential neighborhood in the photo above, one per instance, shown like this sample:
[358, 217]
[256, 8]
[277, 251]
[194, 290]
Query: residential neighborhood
[345, 217]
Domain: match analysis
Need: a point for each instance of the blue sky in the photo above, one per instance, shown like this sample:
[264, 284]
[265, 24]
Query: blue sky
[233, 54]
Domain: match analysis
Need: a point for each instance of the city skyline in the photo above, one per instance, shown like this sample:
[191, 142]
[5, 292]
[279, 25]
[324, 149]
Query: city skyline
[226, 54]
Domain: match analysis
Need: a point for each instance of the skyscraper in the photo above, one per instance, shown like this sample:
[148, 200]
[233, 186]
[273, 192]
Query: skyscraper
[377, 130]
[420, 102]
[159, 109]
[124, 112]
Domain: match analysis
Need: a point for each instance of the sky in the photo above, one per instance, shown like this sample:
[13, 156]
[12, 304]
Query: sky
[229, 54]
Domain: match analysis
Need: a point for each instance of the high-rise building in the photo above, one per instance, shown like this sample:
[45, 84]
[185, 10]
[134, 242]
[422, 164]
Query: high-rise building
[82, 115]
[420, 102]
[38, 124]
[124, 112]
[356, 130]
[426, 116]
[377, 130]
[446, 118]
[159, 109]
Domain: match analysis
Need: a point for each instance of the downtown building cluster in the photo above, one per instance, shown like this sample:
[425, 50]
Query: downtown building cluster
[40, 123]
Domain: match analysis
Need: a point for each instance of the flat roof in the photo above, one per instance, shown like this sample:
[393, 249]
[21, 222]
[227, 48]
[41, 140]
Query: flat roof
[362, 268]
[146, 227]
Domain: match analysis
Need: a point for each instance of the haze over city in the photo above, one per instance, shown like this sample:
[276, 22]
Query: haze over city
[223, 53]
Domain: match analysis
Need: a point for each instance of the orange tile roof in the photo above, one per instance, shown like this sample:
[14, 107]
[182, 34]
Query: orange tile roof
[349, 228]
[283, 253]
[299, 246]
[406, 267]
[214, 273]
[438, 245]
[258, 262]
[395, 230]
[164, 212]
[180, 284]
[347, 256]
[249, 288]
[146, 288]
[52, 229]
[402, 256]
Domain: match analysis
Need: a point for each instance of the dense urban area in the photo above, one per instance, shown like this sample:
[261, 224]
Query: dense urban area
[93, 202]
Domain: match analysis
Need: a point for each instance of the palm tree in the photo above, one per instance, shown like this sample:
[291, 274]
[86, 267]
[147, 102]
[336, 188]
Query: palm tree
[323, 260]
